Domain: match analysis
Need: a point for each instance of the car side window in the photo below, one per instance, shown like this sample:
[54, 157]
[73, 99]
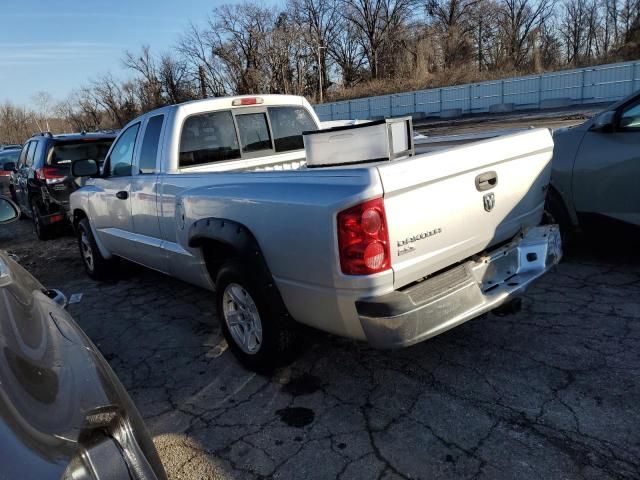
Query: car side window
[254, 132]
[630, 118]
[31, 153]
[23, 155]
[121, 157]
[149, 149]
[207, 138]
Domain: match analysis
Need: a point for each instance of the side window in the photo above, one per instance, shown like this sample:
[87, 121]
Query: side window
[287, 124]
[630, 118]
[23, 155]
[254, 132]
[149, 149]
[31, 153]
[121, 156]
[207, 138]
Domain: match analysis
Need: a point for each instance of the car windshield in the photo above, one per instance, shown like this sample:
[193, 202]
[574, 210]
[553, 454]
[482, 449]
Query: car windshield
[62, 154]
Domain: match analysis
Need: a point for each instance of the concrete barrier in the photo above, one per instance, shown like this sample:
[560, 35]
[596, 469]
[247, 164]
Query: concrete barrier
[556, 103]
[451, 113]
[501, 107]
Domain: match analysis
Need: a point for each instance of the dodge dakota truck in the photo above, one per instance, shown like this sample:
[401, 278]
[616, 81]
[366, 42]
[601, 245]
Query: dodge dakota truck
[391, 251]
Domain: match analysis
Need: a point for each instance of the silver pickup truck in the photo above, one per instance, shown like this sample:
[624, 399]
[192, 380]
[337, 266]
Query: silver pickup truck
[217, 193]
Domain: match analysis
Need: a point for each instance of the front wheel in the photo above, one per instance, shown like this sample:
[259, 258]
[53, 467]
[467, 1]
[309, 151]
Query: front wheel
[257, 336]
[96, 266]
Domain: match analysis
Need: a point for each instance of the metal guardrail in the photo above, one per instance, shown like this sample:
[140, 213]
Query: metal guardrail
[600, 84]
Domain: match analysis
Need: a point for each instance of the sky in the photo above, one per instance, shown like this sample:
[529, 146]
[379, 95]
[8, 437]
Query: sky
[59, 45]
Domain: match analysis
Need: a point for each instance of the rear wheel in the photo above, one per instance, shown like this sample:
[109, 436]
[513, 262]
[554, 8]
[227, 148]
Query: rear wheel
[43, 232]
[256, 335]
[96, 266]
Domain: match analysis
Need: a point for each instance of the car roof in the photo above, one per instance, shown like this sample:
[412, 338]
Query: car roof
[70, 137]
[86, 136]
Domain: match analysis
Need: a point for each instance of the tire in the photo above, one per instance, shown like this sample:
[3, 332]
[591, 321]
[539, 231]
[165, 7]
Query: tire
[96, 266]
[270, 336]
[556, 212]
[43, 232]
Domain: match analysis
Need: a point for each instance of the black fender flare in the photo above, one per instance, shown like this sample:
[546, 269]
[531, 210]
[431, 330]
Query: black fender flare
[223, 240]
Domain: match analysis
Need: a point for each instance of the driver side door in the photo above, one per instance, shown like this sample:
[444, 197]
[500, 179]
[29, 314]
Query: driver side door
[607, 168]
[111, 201]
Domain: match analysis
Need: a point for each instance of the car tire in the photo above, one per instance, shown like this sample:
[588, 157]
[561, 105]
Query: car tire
[43, 232]
[556, 212]
[96, 266]
[259, 338]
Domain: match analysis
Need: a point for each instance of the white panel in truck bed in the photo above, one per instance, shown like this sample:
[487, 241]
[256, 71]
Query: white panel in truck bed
[360, 143]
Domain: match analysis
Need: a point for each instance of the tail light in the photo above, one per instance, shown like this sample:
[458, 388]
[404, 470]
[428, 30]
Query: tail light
[363, 239]
[49, 175]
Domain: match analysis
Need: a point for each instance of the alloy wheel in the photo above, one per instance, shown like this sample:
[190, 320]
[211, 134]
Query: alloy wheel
[242, 318]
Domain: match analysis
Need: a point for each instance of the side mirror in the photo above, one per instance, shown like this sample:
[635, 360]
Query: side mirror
[85, 168]
[604, 122]
[8, 211]
[9, 167]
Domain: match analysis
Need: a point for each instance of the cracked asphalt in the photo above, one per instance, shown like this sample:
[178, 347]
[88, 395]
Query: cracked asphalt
[550, 392]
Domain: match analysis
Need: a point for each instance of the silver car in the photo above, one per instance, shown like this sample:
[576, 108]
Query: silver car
[596, 169]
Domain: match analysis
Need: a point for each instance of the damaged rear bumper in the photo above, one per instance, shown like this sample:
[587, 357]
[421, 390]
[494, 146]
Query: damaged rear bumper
[428, 308]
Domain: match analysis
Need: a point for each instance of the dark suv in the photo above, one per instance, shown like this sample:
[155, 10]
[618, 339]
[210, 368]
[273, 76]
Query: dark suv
[42, 182]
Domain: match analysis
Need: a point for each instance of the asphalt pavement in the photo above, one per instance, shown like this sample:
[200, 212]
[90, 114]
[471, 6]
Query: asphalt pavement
[551, 392]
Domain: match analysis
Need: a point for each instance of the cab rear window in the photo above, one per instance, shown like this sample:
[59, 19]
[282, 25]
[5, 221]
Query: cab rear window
[208, 138]
[287, 124]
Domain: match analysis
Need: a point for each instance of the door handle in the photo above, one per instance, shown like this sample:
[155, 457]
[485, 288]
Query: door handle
[486, 181]
[122, 195]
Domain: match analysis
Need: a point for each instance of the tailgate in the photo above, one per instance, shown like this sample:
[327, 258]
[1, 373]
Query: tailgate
[445, 206]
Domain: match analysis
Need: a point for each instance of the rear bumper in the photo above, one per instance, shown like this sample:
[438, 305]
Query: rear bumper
[426, 309]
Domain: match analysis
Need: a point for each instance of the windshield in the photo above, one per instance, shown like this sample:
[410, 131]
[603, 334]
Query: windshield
[63, 154]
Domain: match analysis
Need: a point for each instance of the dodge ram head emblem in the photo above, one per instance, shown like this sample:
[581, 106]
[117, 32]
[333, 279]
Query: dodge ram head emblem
[489, 201]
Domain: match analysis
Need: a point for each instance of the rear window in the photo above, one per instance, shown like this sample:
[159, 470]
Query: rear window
[287, 124]
[62, 154]
[9, 156]
[254, 132]
[207, 138]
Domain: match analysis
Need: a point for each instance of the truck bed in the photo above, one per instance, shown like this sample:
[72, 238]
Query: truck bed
[437, 213]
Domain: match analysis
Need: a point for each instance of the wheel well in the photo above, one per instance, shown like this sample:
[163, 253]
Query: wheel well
[555, 196]
[215, 254]
[77, 216]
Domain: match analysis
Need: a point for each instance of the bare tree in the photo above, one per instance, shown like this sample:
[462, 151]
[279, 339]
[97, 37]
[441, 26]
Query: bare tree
[518, 19]
[43, 102]
[372, 20]
[197, 47]
[118, 99]
[453, 20]
[320, 21]
[347, 53]
[149, 86]
[15, 123]
[239, 37]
